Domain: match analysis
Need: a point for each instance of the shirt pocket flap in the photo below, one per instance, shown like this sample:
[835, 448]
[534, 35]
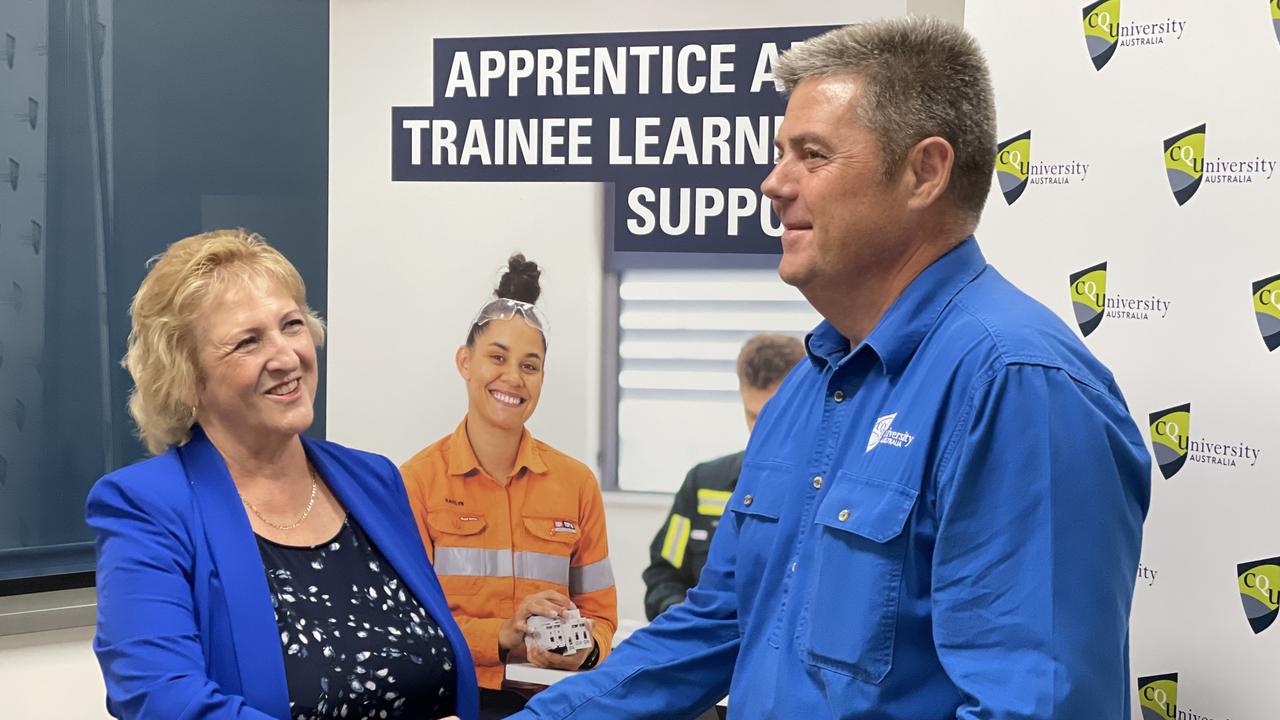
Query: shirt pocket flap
[762, 489]
[552, 528]
[873, 508]
[454, 522]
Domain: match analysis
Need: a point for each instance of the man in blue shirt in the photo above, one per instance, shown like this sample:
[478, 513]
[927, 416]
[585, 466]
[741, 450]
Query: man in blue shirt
[940, 513]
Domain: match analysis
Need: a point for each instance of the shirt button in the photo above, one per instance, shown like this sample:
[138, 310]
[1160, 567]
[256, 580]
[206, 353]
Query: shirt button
[839, 396]
[844, 515]
[747, 500]
[793, 567]
[817, 482]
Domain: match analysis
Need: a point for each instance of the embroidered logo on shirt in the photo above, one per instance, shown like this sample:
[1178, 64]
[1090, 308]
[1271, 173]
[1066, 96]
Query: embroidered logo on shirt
[884, 434]
[467, 518]
[564, 526]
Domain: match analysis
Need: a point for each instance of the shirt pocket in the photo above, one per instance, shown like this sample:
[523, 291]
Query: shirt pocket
[754, 509]
[554, 534]
[761, 491]
[461, 566]
[545, 557]
[851, 615]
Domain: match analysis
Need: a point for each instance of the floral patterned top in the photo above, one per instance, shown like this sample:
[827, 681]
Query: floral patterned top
[357, 644]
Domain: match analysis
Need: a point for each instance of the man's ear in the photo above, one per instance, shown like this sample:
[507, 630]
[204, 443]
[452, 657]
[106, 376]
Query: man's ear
[462, 359]
[927, 171]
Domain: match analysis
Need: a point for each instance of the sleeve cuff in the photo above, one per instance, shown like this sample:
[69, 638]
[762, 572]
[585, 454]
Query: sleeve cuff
[482, 638]
[604, 641]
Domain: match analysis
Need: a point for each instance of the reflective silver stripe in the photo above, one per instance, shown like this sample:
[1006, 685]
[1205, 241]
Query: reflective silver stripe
[479, 562]
[590, 578]
[541, 566]
[475, 562]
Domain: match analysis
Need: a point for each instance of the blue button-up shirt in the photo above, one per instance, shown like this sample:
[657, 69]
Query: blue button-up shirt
[941, 522]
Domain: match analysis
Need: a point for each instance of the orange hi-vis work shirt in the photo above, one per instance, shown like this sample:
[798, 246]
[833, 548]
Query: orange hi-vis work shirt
[493, 545]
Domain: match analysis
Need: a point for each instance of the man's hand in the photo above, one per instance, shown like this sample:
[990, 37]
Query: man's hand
[548, 604]
[554, 660]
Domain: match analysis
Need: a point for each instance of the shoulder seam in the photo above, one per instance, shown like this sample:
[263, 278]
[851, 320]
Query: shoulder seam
[1006, 358]
[429, 449]
[547, 450]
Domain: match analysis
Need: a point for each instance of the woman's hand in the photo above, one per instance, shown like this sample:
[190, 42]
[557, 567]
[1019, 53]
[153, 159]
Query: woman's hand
[554, 660]
[548, 604]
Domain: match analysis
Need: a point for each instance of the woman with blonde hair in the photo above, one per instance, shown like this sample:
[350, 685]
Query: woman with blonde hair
[246, 571]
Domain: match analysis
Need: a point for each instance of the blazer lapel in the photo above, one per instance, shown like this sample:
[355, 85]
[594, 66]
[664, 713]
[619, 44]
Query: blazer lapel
[238, 562]
[392, 530]
[379, 521]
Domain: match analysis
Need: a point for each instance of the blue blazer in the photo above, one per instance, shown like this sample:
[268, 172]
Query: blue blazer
[185, 624]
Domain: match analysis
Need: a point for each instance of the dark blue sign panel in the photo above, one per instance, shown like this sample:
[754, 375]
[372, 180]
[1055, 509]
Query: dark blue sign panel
[680, 123]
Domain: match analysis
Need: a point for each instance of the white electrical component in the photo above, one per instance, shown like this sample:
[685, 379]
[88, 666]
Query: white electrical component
[566, 636]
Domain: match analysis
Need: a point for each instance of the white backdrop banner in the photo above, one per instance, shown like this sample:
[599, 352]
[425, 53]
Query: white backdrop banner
[1136, 194]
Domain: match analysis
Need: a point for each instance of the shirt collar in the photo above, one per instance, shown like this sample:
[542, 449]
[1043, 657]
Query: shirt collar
[462, 457]
[904, 325]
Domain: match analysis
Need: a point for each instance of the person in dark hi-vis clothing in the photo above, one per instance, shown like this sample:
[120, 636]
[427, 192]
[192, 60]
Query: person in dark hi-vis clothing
[679, 550]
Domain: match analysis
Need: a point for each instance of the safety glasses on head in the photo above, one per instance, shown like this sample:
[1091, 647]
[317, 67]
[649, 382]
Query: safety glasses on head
[506, 309]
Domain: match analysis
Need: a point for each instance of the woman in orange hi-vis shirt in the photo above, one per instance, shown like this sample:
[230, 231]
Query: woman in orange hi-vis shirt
[514, 528]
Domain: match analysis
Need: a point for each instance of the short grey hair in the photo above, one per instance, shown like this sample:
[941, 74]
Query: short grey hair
[919, 77]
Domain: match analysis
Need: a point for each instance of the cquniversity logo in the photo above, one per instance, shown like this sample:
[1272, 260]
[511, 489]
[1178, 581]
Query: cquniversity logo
[1089, 297]
[1013, 165]
[1158, 696]
[1184, 163]
[1260, 592]
[1170, 432]
[882, 424]
[884, 434]
[1266, 308]
[1102, 30]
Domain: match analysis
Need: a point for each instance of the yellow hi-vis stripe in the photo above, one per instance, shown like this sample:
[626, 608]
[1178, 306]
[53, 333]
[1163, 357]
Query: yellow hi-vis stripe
[712, 502]
[677, 539]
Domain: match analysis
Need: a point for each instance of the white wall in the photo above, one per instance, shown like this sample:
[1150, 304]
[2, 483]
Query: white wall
[633, 520]
[51, 675]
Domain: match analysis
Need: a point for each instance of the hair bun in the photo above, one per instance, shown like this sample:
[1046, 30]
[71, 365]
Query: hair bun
[520, 281]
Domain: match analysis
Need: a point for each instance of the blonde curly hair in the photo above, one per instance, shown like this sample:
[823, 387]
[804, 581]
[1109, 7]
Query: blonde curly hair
[161, 355]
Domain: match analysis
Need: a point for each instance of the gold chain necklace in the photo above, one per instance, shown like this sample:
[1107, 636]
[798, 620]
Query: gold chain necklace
[315, 482]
